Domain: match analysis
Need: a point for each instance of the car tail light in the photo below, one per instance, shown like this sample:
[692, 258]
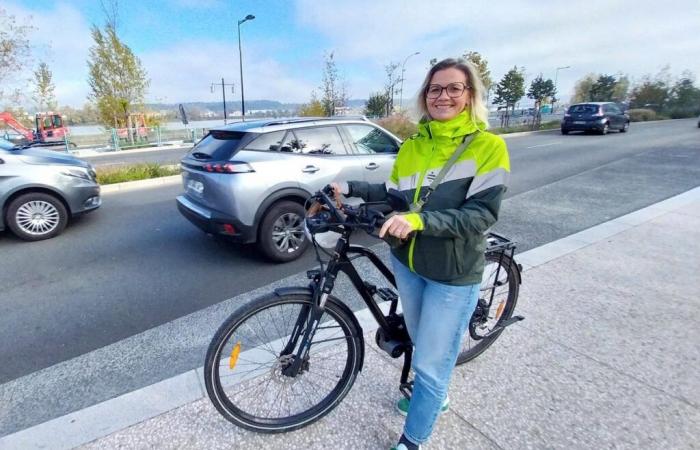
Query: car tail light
[228, 229]
[229, 167]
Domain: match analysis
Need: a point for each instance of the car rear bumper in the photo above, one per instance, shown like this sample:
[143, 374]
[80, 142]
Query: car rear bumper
[588, 126]
[213, 222]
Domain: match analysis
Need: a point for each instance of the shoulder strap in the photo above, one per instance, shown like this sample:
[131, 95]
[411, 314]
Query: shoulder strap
[418, 206]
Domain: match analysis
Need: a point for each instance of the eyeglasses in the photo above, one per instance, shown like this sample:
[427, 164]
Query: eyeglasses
[454, 90]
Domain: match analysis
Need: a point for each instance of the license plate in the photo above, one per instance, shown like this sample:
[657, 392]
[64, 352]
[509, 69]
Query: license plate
[195, 186]
[579, 122]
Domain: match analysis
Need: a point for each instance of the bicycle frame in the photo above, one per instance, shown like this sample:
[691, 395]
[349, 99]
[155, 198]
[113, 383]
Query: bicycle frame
[392, 334]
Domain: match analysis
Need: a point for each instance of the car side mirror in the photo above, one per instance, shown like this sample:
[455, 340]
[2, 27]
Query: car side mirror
[397, 200]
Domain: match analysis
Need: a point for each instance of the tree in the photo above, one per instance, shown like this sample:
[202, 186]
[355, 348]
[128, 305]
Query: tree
[650, 93]
[582, 88]
[685, 97]
[14, 47]
[540, 89]
[509, 90]
[482, 66]
[333, 87]
[312, 109]
[602, 90]
[376, 105]
[622, 87]
[44, 96]
[392, 79]
[117, 80]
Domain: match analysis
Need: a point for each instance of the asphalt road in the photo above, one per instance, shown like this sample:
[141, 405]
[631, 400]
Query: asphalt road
[136, 263]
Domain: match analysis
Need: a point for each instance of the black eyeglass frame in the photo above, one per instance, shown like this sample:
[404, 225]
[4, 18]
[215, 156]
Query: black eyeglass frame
[445, 88]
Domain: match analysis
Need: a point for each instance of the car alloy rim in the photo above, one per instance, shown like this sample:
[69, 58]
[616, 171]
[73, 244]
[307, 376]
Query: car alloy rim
[37, 217]
[288, 232]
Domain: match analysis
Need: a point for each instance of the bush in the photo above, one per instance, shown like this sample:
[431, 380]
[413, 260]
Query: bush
[399, 124]
[135, 172]
[641, 114]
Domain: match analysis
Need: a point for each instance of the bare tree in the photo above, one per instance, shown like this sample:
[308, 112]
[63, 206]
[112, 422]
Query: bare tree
[392, 79]
[14, 48]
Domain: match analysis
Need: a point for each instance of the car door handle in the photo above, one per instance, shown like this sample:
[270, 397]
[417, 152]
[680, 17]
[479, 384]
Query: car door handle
[372, 166]
[310, 169]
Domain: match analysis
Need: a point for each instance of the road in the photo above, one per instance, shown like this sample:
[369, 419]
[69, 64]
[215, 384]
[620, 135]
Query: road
[136, 263]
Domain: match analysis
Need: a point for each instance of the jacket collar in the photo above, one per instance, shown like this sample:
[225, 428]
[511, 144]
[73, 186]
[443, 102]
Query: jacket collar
[457, 127]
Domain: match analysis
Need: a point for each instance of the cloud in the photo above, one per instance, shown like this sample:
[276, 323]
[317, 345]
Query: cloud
[184, 72]
[61, 38]
[634, 37]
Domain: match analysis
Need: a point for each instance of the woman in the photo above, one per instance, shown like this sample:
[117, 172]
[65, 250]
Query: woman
[438, 269]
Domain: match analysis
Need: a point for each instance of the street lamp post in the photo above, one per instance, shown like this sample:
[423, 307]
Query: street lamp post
[556, 76]
[403, 69]
[240, 62]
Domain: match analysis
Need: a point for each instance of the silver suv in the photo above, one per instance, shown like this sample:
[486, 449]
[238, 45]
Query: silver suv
[249, 180]
[41, 189]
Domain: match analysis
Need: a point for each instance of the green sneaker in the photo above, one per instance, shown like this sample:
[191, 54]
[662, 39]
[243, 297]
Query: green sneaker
[402, 406]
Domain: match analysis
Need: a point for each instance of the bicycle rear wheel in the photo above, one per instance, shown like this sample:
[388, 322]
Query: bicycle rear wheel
[244, 368]
[500, 285]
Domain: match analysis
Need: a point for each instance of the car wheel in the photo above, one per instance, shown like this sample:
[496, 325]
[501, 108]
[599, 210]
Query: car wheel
[36, 216]
[564, 131]
[606, 128]
[281, 237]
[625, 127]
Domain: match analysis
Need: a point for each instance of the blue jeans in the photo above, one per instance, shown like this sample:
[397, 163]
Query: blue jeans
[437, 316]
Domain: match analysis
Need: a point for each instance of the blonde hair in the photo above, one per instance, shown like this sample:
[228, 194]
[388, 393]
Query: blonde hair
[476, 91]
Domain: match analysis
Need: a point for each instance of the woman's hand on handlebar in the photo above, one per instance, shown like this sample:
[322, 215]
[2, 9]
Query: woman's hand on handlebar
[337, 189]
[397, 226]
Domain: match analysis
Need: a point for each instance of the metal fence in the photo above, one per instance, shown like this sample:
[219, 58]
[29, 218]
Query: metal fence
[118, 139]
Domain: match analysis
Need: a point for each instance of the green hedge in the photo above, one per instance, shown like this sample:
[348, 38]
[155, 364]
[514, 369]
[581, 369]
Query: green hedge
[641, 114]
[136, 172]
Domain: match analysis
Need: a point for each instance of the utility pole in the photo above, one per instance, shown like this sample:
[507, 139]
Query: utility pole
[223, 94]
[556, 75]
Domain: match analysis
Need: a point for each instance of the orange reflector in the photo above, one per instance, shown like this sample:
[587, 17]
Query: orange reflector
[234, 355]
[499, 310]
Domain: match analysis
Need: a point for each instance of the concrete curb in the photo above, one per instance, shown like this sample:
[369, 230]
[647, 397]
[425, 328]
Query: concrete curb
[110, 416]
[141, 184]
[89, 153]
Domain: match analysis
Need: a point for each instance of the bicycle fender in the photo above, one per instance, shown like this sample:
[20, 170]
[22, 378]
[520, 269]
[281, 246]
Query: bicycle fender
[306, 290]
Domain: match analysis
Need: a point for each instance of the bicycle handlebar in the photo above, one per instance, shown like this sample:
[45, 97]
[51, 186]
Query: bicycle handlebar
[337, 214]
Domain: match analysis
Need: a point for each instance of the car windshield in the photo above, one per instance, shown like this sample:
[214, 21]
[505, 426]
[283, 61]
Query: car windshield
[583, 109]
[217, 145]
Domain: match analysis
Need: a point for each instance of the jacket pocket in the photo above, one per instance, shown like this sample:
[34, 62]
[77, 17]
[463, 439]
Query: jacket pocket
[458, 247]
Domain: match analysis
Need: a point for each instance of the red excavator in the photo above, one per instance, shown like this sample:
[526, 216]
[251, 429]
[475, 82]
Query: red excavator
[49, 129]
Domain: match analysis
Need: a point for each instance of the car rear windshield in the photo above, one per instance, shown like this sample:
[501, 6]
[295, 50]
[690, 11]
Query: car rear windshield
[217, 145]
[583, 109]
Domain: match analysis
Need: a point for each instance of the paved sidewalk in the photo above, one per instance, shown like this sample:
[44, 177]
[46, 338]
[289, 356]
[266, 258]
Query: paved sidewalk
[608, 357]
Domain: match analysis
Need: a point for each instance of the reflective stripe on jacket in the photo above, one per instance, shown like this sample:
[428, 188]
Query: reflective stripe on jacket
[450, 244]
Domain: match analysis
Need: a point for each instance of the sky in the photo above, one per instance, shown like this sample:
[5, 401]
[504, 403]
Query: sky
[185, 45]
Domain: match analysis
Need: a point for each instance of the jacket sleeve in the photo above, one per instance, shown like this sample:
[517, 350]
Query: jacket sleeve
[480, 208]
[375, 192]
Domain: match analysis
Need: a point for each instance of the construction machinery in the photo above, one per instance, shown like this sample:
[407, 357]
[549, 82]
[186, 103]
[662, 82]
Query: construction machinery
[50, 129]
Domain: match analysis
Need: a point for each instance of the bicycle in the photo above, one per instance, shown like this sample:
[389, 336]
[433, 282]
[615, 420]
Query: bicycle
[285, 360]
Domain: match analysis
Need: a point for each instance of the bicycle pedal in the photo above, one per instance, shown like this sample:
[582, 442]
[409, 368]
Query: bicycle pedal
[388, 295]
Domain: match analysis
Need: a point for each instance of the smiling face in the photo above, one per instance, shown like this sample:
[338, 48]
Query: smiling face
[445, 107]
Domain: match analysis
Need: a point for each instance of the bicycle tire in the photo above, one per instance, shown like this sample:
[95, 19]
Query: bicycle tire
[469, 351]
[273, 305]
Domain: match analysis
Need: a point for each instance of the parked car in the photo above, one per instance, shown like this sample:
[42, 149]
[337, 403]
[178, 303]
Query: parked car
[40, 190]
[249, 181]
[595, 116]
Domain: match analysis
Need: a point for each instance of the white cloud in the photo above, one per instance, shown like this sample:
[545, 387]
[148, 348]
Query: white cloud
[634, 37]
[61, 38]
[184, 72]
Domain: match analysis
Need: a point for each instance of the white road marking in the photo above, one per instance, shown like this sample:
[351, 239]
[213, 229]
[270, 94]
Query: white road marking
[545, 145]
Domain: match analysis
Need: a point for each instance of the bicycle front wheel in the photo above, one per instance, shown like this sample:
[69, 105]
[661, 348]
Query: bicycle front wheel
[245, 366]
[498, 295]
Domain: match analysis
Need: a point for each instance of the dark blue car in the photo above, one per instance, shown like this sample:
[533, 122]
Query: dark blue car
[599, 117]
